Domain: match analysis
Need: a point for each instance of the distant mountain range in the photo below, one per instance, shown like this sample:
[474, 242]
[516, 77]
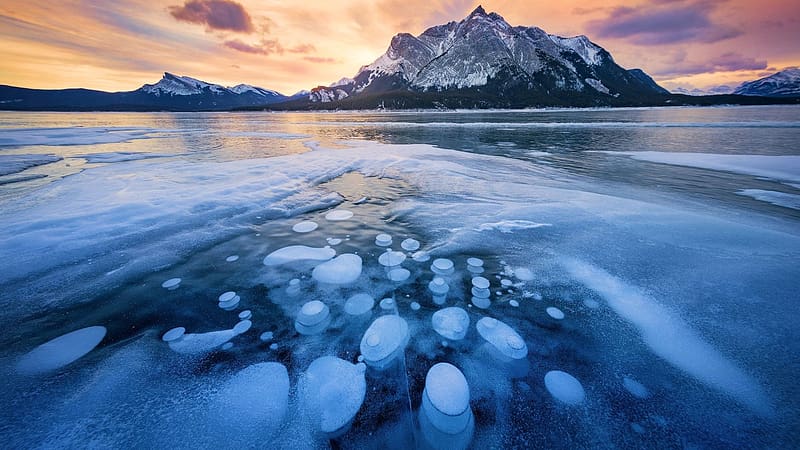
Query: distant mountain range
[479, 62]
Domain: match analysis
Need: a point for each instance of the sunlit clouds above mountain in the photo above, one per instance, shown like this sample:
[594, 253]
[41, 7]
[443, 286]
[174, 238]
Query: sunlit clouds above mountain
[290, 46]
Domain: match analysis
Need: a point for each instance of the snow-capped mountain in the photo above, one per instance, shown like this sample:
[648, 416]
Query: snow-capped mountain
[782, 84]
[484, 56]
[713, 90]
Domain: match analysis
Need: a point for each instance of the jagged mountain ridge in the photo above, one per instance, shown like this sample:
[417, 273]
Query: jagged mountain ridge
[785, 83]
[483, 55]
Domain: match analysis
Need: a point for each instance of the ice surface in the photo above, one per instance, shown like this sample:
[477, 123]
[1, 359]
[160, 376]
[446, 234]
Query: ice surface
[779, 167]
[339, 215]
[451, 323]
[344, 269]
[332, 392]
[507, 341]
[564, 387]
[509, 226]
[384, 340]
[115, 157]
[671, 338]
[60, 351]
[635, 388]
[71, 136]
[305, 226]
[295, 253]
[17, 163]
[783, 199]
[252, 402]
[359, 304]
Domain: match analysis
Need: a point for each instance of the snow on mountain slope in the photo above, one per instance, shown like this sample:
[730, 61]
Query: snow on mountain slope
[782, 84]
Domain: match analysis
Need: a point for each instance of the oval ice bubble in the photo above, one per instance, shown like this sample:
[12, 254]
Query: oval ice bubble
[480, 282]
[635, 388]
[442, 266]
[481, 302]
[383, 240]
[313, 313]
[332, 390]
[415, 306]
[445, 399]
[387, 304]
[502, 337]
[295, 253]
[385, 338]
[343, 269]
[513, 303]
[410, 245]
[227, 346]
[246, 314]
[564, 387]
[172, 283]
[555, 313]
[359, 304]
[421, 256]
[242, 326]
[226, 296]
[61, 351]
[398, 275]
[338, 215]
[173, 334]
[232, 258]
[523, 274]
[438, 286]
[474, 262]
[391, 258]
[266, 336]
[451, 323]
[305, 226]
[481, 293]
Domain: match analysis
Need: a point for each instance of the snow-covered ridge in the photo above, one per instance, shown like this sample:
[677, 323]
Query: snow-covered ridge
[782, 84]
[181, 85]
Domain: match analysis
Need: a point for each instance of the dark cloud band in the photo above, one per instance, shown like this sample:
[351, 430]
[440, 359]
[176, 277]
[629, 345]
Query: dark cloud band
[224, 15]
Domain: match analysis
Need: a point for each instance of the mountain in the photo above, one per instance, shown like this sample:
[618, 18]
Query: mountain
[713, 90]
[172, 92]
[782, 84]
[482, 61]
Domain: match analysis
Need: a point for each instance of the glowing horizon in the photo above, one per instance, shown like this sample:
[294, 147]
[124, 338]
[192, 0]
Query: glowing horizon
[121, 45]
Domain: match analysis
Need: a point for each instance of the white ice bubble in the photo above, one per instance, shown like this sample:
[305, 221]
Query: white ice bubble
[415, 306]
[273, 346]
[173, 334]
[482, 303]
[359, 304]
[591, 304]
[61, 351]
[334, 241]
[399, 274]
[502, 337]
[410, 245]
[421, 256]
[635, 388]
[266, 336]
[313, 313]
[564, 387]
[481, 293]
[247, 404]
[387, 304]
[480, 282]
[391, 258]
[383, 240]
[338, 215]
[172, 283]
[505, 282]
[344, 269]
[451, 323]
[332, 391]
[226, 296]
[246, 314]
[513, 303]
[445, 399]
[442, 266]
[475, 262]
[294, 253]
[231, 304]
[242, 326]
[438, 286]
[227, 346]
[523, 274]
[232, 258]
[385, 338]
[305, 226]
[555, 313]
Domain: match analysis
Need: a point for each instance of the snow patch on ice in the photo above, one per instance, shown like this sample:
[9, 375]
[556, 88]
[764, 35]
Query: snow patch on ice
[71, 136]
[776, 198]
[294, 253]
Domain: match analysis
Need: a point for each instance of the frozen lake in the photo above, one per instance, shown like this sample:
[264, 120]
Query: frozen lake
[591, 278]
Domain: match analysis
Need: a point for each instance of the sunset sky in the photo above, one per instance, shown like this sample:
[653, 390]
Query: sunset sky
[289, 46]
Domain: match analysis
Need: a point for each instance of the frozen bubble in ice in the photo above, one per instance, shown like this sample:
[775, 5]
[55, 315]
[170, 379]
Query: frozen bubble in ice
[242, 326]
[359, 304]
[480, 282]
[564, 387]
[305, 226]
[360, 358]
[385, 338]
[294, 253]
[442, 266]
[399, 274]
[513, 303]
[334, 241]
[438, 286]
[246, 404]
[313, 313]
[498, 293]
[171, 284]
[523, 274]
[445, 399]
[410, 245]
[227, 346]
[502, 337]
[383, 240]
[421, 256]
[415, 306]
[555, 313]
[338, 214]
[475, 262]
[231, 304]
[266, 336]
[227, 296]
[197, 343]
[232, 258]
[273, 346]
[635, 388]
[591, 304]
[332, 391]
[451, 323]
[61, 351]
[505, 282]
[391, 258]
[294, 282]
[387, 304]
[482, 303]
[246, 314]
[481, 293]
[173, 334]
[344, 269]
